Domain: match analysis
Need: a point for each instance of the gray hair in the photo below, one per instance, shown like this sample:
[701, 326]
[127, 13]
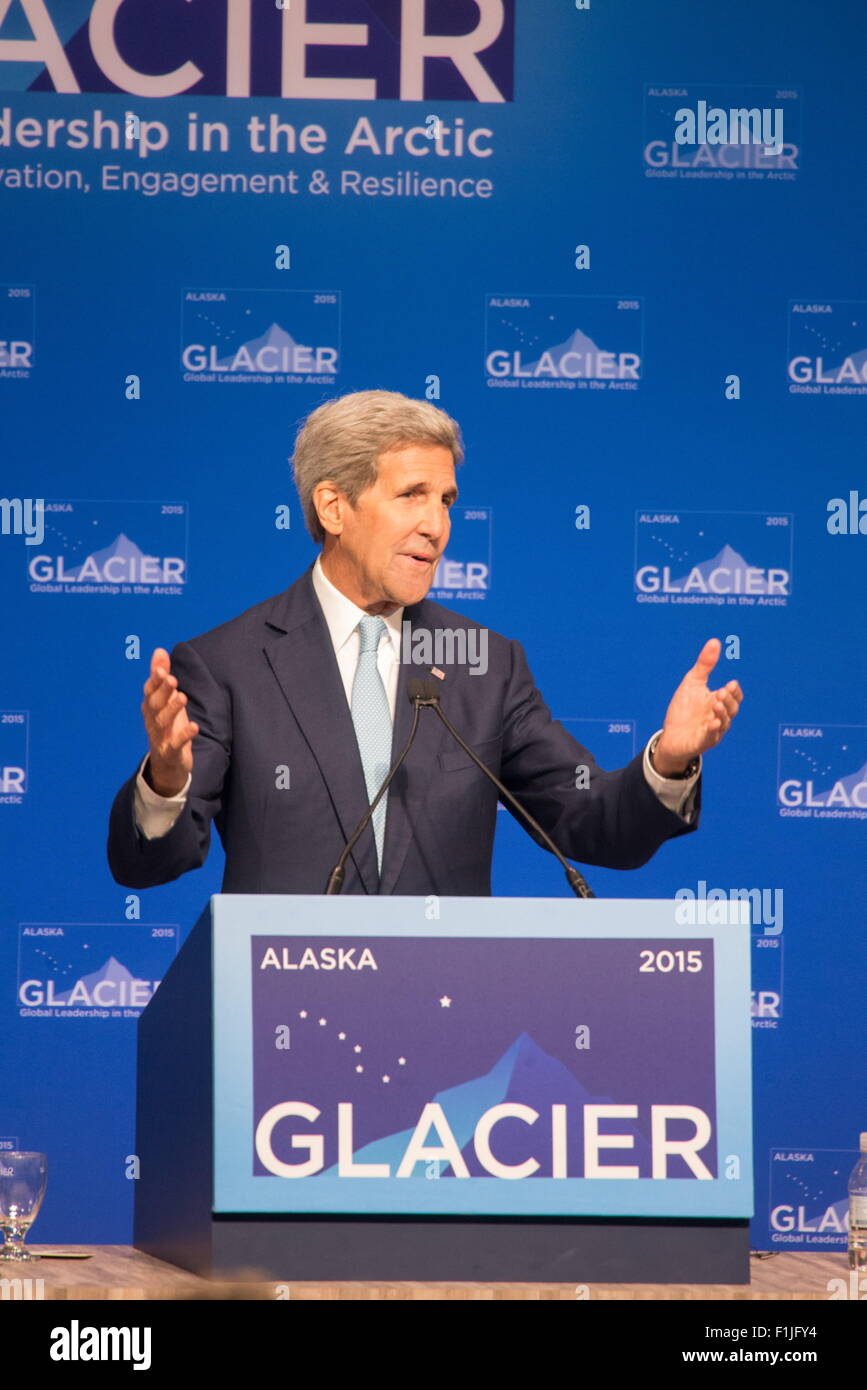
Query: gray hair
[341, 442]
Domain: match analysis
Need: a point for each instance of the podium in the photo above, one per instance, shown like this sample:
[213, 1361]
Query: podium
[486, 1089]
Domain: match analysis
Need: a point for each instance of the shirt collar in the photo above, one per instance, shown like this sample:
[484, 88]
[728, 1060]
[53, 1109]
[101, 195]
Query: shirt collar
[343, 616]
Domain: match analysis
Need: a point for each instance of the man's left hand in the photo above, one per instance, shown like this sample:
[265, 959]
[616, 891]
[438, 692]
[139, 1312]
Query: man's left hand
[697, 718]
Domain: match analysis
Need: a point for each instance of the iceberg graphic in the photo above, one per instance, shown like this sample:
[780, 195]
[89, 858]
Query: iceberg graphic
[727, 559]
[857, 360]
[848, 784]
[111, 970]
[275, 336]
[524, 1074]
[578, 342]
[855, 778]
[121, 545]
[70, 23]
[819, 1218]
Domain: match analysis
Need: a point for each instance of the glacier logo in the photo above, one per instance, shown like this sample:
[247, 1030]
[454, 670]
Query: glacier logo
[563, 342]
[70, 970]
[721, 132]
[72, 46]
[809, 1209]
[684, 557]
[111, 986]
[827, 348]
[457, 1135]
[822, 772]
[88, 549]
[233, 336]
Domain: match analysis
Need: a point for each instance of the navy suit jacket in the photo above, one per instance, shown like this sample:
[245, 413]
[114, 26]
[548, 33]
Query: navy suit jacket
[266, 692]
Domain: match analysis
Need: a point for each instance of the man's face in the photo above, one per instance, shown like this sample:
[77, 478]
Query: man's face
[391, 541]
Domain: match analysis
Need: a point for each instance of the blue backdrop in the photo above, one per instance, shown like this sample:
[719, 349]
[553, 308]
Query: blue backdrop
[214, 218]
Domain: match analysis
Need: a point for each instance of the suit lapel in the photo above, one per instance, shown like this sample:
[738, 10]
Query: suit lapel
[302, 658]
[300, 653]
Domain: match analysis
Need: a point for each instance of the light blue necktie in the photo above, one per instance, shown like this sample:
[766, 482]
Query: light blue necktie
[372, 719]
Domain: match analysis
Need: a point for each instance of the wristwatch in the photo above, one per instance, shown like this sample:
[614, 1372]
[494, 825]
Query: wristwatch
[688, 771]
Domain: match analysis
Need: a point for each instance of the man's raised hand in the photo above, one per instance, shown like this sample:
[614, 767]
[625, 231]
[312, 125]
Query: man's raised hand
[697, 717]
[169, 731]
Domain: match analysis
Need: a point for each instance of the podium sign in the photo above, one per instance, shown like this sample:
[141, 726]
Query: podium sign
[479, 1056]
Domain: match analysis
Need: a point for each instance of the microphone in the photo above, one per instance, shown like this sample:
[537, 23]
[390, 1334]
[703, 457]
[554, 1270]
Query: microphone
[424, 695]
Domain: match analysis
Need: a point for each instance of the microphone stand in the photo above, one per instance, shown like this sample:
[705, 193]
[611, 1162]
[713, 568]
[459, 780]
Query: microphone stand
[423, 695]
[579, 885]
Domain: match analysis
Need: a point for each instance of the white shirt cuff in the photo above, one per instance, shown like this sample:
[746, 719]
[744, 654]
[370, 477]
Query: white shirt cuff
[677, 793]
[154, 814]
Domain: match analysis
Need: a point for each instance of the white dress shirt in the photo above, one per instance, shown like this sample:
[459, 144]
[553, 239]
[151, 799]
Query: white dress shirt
[155, 815]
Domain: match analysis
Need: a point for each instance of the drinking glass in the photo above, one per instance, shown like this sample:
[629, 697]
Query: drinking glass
[22, 1186]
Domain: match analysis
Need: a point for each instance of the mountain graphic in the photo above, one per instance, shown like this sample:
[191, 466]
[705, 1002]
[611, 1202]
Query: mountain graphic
[274, 337]
[525, 1074]
[72, 19]
[579, 342]
[121, 545]
[111, 970]
[841, 1212]
[727, 559]
[856, 358]
[848, 784]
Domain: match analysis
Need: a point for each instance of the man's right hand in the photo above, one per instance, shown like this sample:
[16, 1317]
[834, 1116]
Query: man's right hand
[169, 730]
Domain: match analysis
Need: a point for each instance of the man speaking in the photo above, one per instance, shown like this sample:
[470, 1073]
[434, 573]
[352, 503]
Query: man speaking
[281, 724]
